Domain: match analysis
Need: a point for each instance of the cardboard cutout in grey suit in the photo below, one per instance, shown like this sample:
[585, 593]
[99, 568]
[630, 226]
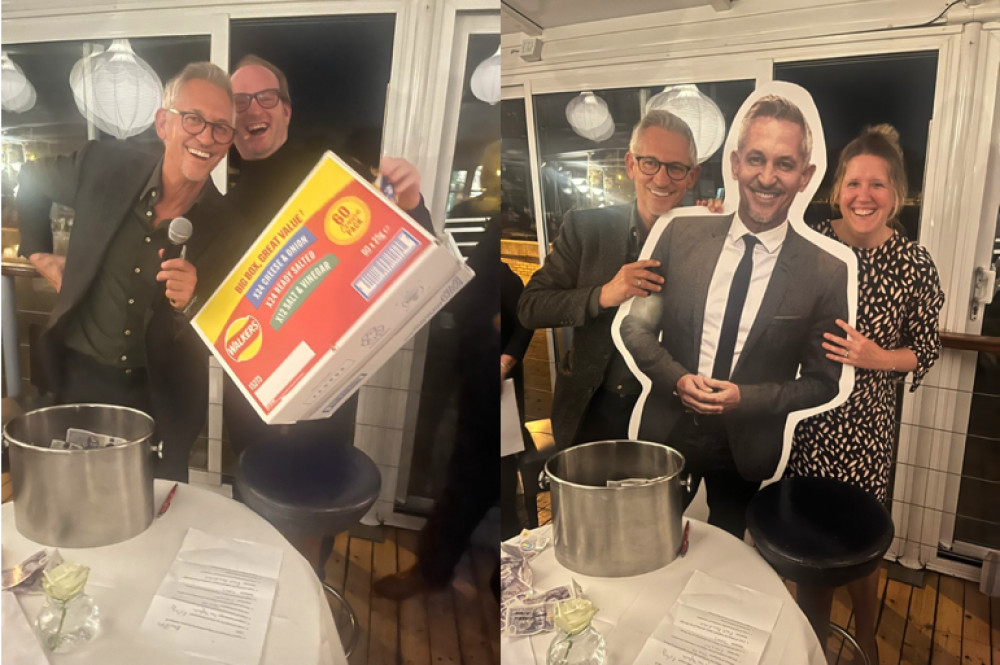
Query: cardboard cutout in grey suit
[729, 352]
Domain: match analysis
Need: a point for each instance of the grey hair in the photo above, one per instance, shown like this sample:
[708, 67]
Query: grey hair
[204, 71]
[779, 108]
[669, 122]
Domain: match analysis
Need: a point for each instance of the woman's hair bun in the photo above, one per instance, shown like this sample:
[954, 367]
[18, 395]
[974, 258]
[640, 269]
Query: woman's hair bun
[886, 131]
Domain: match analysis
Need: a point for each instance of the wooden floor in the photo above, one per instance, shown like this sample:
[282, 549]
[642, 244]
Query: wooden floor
[946, 621]
[458, 625]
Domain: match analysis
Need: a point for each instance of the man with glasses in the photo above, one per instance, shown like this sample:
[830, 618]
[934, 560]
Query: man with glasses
[594, 268]
[270, 166]
[733, 341]
[118, 333]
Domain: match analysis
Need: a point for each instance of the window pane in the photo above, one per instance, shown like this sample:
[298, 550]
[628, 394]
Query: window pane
[474, 186]
[517, 202]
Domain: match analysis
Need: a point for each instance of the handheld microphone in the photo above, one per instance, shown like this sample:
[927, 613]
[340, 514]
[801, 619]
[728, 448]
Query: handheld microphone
[178, 233]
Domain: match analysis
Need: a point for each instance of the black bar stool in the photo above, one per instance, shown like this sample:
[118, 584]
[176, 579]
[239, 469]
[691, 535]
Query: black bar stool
[309, 489]
[820, 532]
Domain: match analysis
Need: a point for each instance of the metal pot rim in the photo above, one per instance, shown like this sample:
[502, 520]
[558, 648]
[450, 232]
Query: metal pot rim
[652, 481]
[64, 407]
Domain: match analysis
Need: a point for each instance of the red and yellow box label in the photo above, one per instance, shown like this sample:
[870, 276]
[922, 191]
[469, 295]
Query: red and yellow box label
[316, 269]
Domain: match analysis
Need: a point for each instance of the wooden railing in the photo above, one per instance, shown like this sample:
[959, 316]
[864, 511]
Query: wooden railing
[964, 342]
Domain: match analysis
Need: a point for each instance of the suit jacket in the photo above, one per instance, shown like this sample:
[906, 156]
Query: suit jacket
[806, 293]
[592, 246]
[102, 182]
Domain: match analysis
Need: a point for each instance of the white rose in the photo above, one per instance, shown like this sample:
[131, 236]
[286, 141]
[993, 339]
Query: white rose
[574, 615]
[65, 582]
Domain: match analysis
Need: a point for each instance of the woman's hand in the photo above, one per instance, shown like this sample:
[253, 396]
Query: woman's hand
[857, 350]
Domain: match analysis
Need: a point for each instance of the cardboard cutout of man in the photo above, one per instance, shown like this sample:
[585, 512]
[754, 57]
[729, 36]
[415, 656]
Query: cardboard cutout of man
[733, 343]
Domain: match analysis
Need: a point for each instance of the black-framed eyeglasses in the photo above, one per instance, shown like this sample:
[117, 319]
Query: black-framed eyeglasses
[651, 166]
[194, 124]
[266, 99]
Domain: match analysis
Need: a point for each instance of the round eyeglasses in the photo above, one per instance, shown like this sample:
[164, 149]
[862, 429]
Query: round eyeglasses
[651, 166]
[266, 99]
[194, 124]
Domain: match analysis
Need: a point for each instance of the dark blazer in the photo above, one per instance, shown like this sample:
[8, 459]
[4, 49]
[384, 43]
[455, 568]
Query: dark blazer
[806, 293]
[101, 182]
[592, 246]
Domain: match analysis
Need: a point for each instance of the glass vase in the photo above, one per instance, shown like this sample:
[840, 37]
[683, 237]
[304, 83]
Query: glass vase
[65, 626]
[585, 647]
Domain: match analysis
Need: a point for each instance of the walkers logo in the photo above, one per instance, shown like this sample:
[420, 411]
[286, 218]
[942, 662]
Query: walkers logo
[244, 338]
[347, 220]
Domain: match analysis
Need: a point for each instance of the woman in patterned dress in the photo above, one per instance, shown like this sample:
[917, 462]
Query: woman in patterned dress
[899, 299]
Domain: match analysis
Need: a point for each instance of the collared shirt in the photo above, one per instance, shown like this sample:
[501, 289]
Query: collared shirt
[618, 378]
[765, 256]
[109, 324]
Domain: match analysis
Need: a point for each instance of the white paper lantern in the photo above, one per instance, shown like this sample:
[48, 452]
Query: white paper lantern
[23, 102]
[604, 132]
[117, 90]
[18, 95]
[589, 117]
[485, 83]
[700, 113]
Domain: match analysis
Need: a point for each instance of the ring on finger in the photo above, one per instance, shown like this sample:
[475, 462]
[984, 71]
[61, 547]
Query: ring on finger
[847, 353]
[638, 281]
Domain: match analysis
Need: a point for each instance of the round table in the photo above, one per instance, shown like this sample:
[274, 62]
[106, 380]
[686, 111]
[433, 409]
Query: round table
[631, 607]
[125, 576]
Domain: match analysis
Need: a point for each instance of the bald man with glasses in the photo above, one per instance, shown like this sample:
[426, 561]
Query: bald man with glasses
[594, 268]
[119, 333]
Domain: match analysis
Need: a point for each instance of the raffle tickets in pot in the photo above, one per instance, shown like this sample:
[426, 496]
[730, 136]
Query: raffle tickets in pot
[616, 507]
[82, 474]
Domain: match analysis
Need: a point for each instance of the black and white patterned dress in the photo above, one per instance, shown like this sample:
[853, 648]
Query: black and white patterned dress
[899, 299]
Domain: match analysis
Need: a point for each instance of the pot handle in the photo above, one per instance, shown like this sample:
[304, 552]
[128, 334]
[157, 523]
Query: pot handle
[543, 481]
[686, 483]
[157, 449]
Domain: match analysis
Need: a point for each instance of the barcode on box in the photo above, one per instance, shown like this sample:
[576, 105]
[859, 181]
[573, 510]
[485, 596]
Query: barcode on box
[386, 263]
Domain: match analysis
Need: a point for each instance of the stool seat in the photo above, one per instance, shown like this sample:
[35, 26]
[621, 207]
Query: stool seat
[819, 531]
[310, 486]
[313, 486]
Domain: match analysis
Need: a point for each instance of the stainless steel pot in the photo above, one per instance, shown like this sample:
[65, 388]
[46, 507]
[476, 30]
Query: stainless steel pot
[81, 498]
[622, 530]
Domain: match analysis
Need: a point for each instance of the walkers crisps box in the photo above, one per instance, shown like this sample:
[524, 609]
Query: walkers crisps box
[336, 284]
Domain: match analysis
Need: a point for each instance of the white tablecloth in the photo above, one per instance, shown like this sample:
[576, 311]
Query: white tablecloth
[631, 607]
[125, 576]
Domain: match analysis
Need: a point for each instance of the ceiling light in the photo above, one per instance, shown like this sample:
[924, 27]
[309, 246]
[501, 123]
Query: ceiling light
[700, 113]
[485, 83]
[116, 90]
[18, 95]
[589, 117]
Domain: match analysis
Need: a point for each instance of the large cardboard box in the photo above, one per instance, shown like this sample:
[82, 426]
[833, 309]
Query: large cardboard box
[337, 283]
